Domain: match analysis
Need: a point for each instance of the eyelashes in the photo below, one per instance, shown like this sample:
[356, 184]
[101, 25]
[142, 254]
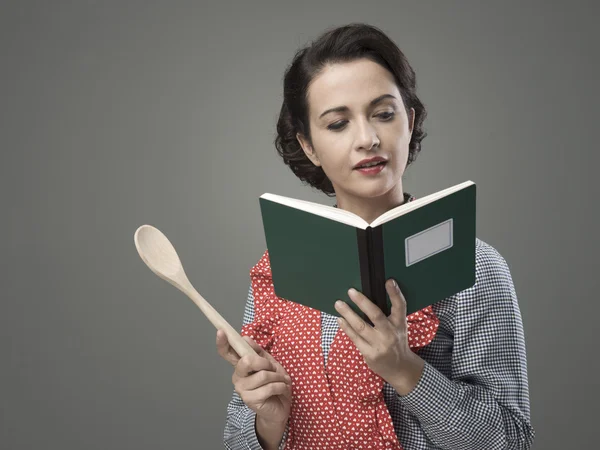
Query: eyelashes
[385, 117]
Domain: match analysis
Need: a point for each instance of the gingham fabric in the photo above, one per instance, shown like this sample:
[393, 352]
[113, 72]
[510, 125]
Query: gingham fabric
[473, 393]
[337, 405]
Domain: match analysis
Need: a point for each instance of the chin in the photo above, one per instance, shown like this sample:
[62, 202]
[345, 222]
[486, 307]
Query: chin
[374, 190]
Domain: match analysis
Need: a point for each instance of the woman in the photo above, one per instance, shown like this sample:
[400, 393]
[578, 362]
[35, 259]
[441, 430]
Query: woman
[452, 376]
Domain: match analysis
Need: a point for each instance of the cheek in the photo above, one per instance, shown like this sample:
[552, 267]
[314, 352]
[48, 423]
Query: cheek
[336, 168]
[398, 134]
[401, 140]
[333, 152]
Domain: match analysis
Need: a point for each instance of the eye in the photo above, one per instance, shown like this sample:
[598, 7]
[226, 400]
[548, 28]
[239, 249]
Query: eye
[386, 115]
[337, 125]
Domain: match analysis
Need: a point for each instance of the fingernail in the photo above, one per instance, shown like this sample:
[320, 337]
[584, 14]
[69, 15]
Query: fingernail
[395, 285]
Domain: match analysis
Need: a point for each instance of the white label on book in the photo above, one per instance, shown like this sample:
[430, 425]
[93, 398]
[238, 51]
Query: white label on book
[428, 242]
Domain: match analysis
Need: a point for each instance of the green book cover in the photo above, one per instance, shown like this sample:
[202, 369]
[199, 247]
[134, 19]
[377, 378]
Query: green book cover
[318, 252]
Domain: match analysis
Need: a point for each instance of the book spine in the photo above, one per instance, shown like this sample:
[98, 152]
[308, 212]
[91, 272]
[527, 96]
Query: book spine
[372, 267]
[378, 270]
[363, 239]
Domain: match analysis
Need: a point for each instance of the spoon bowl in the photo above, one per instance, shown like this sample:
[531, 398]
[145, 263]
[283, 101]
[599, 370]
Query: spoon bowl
[160, 256]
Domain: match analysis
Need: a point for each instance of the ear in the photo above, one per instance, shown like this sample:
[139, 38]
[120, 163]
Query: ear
[411, 120]
[308, 149]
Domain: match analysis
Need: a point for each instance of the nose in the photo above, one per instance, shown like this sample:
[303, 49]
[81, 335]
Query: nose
[366, 136]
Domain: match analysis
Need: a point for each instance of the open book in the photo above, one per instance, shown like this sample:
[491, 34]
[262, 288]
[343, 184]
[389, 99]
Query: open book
[317, 252]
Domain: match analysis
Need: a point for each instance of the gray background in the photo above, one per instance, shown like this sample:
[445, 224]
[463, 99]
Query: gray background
[115, 114]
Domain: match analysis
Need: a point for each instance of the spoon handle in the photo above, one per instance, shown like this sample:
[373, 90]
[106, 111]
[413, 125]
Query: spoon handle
[235, 340]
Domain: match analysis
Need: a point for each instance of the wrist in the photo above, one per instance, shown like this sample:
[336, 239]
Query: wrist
[410, 375]
[269, 433]
[271, 423]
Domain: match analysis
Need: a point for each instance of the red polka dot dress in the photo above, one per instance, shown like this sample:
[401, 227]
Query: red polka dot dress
[337, 406]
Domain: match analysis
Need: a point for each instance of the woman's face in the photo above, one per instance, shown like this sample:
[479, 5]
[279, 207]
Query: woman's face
[358, 129]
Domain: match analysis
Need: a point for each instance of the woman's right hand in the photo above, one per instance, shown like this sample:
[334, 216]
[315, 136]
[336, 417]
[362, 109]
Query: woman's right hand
[261, 382]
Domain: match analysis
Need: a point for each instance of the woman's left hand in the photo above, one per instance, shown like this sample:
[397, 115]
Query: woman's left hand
[385, 344]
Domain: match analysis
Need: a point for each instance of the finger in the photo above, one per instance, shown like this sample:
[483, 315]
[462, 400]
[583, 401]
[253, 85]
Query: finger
[288, 392]
[225, 350]
[261, 378]
[256, 347]
[372, 311]
[358, 340]
[262, 352]
[351, 322]
[398, 313]
[261, 394]
[352, 319]
[249, 364]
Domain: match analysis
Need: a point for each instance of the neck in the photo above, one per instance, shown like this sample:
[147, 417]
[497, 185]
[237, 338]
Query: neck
[371, 208]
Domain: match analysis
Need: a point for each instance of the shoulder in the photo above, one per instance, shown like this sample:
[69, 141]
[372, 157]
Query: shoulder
[491, 269]
[493, 288]
[493, 282]
[485, 252]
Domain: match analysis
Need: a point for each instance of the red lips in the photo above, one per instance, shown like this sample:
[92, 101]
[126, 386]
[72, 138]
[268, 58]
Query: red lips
[370, 160]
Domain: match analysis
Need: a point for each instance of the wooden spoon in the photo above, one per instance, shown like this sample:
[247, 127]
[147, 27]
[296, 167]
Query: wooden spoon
[160, 256]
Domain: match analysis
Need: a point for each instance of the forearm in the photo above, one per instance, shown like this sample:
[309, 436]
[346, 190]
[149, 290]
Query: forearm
[244, 431]
[457, 415]
[481, 400]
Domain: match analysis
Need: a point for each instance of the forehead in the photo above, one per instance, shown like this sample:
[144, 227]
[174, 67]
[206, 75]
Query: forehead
[353, 84]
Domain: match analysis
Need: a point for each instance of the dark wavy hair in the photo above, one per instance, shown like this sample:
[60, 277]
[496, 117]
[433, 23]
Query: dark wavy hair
[342, 44]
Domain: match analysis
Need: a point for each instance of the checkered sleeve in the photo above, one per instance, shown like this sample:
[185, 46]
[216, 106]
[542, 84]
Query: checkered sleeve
[240, 431]
[484, 404]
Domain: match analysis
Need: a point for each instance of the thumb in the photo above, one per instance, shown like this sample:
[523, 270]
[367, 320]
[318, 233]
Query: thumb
[261, 352]
[257, 348]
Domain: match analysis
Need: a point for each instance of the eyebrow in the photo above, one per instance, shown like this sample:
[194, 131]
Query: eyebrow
[345, 108]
